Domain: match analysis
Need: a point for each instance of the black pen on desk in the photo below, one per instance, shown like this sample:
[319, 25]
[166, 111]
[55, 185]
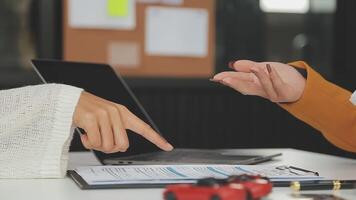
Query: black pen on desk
[304, 170]
[293, 170]
[323, 185]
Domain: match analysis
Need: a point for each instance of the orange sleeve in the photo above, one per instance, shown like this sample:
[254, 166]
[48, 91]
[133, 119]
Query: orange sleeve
[326, 107]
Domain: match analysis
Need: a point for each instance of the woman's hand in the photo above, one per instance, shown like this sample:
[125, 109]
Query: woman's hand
[277, 82]
[105, 124]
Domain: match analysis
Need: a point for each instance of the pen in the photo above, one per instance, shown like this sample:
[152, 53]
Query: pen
[294, 170]
[323, 185]
[304, 170]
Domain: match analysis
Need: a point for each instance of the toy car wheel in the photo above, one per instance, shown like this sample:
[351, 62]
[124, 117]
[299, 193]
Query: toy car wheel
[170, 196]
[208, 182]
[215, 197]
[239, 178]
[249, 195]
[245, 178]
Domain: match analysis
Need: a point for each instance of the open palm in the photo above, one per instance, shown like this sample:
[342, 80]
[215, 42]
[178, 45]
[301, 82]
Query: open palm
[280, 83]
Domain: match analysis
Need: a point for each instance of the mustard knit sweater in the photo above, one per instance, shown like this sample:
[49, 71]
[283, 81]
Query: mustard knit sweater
[327, 108]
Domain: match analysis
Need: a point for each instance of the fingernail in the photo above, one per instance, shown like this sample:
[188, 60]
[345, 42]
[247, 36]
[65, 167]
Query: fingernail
[231, 64]
[169, 147]
[269, 68]
[213, 80]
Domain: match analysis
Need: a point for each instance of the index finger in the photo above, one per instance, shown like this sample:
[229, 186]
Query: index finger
[135, 124]
[238, 75]
[243, 65]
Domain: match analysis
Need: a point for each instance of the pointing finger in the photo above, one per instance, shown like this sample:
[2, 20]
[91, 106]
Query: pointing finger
[135, 124]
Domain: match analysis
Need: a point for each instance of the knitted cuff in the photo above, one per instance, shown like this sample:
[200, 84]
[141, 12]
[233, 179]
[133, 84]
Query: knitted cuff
[55, 161]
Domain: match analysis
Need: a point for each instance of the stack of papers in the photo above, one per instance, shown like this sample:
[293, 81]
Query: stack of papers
[169, 174]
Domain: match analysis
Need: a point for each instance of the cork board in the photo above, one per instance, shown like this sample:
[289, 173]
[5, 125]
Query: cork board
[96, 45]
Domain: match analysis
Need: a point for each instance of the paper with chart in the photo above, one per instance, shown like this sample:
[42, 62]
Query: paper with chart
[153, 174]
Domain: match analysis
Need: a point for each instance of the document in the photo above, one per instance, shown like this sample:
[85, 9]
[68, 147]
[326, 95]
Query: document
[102, 14]
[176, 31]
[153, 174]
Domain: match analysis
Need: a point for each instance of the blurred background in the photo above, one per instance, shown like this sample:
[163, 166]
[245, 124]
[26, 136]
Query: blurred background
[171, 78]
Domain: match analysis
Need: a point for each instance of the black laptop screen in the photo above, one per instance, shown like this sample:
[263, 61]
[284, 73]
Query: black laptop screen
[101, 80]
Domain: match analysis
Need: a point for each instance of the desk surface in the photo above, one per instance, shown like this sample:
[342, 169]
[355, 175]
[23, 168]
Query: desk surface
[65, 189]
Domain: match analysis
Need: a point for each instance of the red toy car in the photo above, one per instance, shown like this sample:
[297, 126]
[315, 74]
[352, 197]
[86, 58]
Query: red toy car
[242, 187]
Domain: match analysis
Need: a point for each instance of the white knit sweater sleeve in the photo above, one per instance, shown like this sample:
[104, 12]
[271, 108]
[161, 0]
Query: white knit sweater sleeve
[35, 130]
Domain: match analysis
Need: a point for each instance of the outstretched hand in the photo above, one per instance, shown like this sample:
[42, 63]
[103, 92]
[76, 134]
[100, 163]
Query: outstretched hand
[275, 81]
[105, 125]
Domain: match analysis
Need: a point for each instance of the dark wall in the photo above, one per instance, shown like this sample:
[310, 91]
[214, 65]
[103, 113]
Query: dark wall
[210, 116]
[204, 115]
[200, 114]
[345, 43]
[240, 32]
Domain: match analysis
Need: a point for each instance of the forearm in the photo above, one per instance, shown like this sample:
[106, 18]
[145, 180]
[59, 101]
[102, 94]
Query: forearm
[326, 107]
[35, 130]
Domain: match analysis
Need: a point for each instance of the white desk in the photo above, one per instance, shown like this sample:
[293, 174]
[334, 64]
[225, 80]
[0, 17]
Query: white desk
[66, 189]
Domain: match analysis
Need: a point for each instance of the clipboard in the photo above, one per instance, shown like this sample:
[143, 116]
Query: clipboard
[159, 176]
[85, 186]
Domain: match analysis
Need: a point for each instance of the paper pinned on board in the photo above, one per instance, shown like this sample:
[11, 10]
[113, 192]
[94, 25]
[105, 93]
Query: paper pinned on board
[176, 31]
[102, 14]
[124, 54]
